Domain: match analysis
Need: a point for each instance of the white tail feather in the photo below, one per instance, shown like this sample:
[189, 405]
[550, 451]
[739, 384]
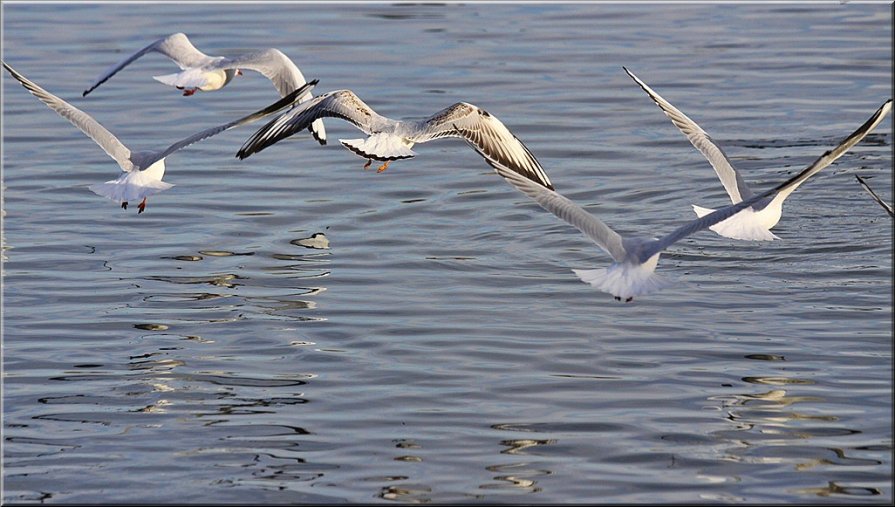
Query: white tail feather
[190, 78]
[129, 187]
[379, 147]
[168, 79]
[624, 281]
[745, 225]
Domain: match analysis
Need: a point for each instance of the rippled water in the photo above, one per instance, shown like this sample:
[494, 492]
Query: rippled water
[439, 347]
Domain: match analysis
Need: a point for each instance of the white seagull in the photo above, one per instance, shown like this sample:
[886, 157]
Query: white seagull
[391, 140]
[143, 170]
[633, 271]
[208, 73]
[754, 223]
[886, 206]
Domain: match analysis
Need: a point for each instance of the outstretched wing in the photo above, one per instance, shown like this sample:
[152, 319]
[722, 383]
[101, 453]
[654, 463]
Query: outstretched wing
[272, 64]
[886, 206]
[701, 223]
[342, 104]
[105, 139]
[600, 233]
[733, 183]
[284, 102]
[176, 46]
[830, 156]
[281, 71]
[783, 189]
[487, 135]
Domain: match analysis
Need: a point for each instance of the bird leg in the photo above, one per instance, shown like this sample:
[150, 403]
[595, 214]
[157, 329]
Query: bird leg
[367, 165]
[142, 206]
[629, 300]
[123, 204]
[189, 91]
[383, 167]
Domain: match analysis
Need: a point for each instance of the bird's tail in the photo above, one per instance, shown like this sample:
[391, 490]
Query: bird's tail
[744, 225]
[129, 187]
[379, 147]
[623, 283]
[190, 78]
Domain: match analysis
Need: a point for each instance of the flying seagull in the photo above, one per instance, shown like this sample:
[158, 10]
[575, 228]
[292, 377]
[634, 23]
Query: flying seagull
[632, 272]
[886, 206]
[143, 170]
[754, 223]
[209, 73]
[392, 140]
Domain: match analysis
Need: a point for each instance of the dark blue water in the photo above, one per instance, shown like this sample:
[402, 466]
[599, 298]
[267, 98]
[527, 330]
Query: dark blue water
[439, 349]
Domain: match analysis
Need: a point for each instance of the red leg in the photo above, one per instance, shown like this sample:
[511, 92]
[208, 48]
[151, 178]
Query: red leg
[367, 165]
[189, 91]
[142, 206]
[383, 167]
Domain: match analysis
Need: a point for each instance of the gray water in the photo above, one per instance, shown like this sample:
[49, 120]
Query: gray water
[440, 349]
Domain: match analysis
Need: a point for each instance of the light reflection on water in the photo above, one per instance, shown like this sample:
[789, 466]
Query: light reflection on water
[291, 328]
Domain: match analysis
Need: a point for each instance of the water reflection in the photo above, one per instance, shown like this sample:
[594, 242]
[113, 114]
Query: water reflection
[833, 489]
[519, 475]
[407, 494]
[769, 431]
[318, 241]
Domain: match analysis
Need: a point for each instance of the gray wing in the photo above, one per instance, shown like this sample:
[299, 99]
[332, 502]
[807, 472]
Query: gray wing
[886, 206]
[105, 139]
[176, 46]
[487, 135]
[600, 233]
[733, 183]
[701, 223]
[343, 104]
[272, 64]
[257, 115]
[830, 156]
[281, 71]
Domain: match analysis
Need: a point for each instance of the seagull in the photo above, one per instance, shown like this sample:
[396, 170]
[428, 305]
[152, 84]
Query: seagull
[143, 170]
[632, 272]
[209, 73]
[754, 223]
[392, 140]
[886, 206]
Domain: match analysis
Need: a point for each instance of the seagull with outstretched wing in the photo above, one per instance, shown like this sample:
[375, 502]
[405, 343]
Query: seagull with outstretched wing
[200, 72]
[390, 139]
[142, 170]
[755, 222]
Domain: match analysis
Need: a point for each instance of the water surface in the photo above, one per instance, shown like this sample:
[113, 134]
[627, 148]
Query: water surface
[439, 349]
